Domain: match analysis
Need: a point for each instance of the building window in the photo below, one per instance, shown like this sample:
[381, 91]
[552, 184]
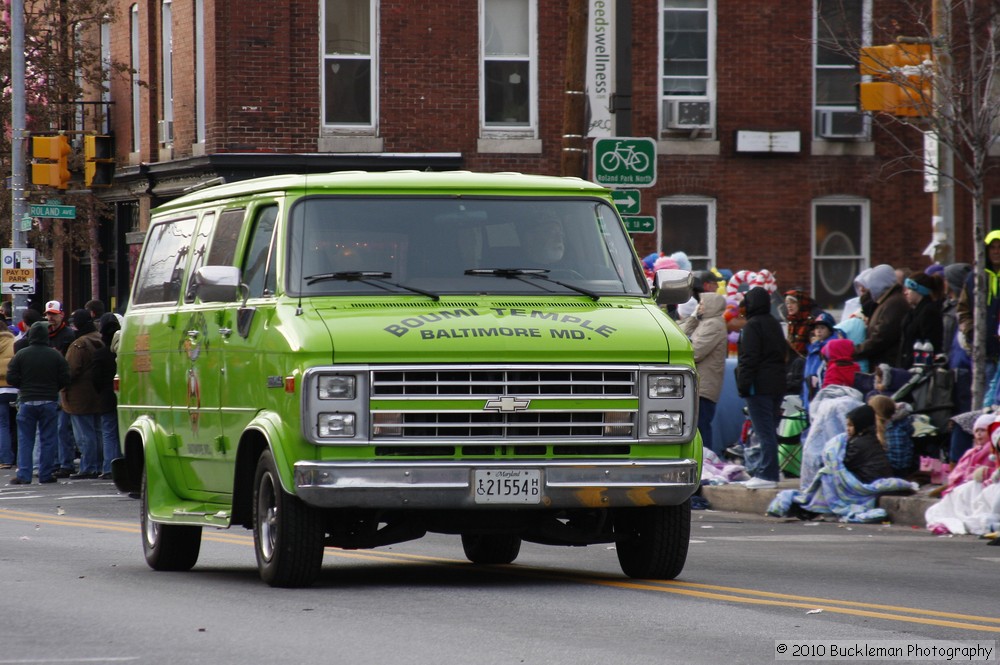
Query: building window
[349, 64]
[994, 213]
[840, 249]
[688, 66]
[136, 76]
[509, 68]
[841, 28]
[166, 125]
[687, 224]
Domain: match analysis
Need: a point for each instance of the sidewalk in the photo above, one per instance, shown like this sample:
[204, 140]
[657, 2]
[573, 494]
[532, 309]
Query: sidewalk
[902, 510]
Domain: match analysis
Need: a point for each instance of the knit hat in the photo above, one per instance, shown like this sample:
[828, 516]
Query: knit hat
[824, 319]
[984, 421]
[955, 275]
[862, 417]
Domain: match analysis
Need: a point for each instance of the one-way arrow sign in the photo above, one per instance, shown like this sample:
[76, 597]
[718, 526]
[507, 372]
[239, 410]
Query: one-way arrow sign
[627, 201]
[640, 224]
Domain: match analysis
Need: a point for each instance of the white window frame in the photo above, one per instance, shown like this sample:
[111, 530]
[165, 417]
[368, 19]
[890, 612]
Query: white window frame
[167, 63]
[710, 86]
[500, 131]
[710, 222]
[864, 251]
[199, 71]
[371, 127]
[136, 77]
[866, 40]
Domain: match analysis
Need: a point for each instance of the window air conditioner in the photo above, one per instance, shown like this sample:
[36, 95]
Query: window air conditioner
[165, 129]
[842, 124]
[688, 115]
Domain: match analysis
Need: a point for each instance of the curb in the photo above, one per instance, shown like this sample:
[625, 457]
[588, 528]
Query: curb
[902, 510]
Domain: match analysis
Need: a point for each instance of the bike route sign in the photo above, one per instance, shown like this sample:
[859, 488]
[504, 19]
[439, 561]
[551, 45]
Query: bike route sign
[625, 162]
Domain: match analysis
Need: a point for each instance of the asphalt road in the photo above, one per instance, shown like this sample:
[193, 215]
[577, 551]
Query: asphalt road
[76, 590]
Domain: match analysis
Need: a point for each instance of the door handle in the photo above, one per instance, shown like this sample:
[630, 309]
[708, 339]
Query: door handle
[193, 334]
[225, 332]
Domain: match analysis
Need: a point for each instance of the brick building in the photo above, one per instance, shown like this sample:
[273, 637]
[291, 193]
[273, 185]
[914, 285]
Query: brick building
[762, 159]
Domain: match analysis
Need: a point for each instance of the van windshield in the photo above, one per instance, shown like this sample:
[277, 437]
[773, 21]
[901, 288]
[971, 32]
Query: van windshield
[461, 245]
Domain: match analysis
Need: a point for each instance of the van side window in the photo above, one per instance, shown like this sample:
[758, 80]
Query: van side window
[227, 235]
[257, 273]
[200, 250]
[158, 278]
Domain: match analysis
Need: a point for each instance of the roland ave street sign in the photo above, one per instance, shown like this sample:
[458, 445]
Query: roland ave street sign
[53, 211]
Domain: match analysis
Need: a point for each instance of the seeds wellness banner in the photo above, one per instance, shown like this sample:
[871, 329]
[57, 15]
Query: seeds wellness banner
[600, 67]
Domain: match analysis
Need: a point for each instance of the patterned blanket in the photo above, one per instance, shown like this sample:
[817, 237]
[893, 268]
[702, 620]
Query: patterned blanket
[836, 491]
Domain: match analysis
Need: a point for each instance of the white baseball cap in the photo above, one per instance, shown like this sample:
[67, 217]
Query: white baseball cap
[53, 307]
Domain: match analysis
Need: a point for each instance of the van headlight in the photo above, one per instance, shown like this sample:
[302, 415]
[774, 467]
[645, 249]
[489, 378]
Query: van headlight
[331, 425]
[336, 386]
[665, 386]
[665, 423]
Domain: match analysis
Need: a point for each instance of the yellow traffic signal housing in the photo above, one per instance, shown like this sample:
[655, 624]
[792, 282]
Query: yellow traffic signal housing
[99, 167]
[880, 61]
[895, 90]
[54, 171]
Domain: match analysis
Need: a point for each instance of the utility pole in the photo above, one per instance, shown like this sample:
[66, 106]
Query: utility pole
[943, 202]
[574, 146]
[19, 203]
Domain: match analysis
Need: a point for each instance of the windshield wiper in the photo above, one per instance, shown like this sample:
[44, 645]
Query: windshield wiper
[370, 277]
[536, 273]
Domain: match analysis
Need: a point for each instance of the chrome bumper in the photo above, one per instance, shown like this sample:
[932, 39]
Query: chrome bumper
[443, 484]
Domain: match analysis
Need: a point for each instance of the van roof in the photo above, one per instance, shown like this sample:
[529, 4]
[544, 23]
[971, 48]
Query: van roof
[400, 182]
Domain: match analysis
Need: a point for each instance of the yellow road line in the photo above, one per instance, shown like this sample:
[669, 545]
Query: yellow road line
[689, 589]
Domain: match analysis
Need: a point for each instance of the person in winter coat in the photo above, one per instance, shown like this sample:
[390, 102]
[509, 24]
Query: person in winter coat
[39, 372]
[812, 372]
[799, 308]
[864, 456]
[760, 380]
[966, 305]
[105, 368]
[8, 394]
[884, 330]
[708, 340]
[80, 400]
[840, 366]
[923, 323]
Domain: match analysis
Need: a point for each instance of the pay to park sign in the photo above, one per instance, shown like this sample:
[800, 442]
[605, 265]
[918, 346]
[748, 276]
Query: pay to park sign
[17, 271]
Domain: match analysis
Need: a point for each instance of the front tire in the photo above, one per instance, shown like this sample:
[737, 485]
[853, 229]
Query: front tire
[491, 548]
[652, 542]
[167, 546]
[287, 534]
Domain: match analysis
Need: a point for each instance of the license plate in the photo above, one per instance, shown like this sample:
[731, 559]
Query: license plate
[508, 485]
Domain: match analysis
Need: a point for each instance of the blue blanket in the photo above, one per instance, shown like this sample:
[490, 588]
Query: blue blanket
[836, 491]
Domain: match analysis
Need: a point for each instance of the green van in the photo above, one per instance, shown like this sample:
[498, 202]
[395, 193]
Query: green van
[355, 359]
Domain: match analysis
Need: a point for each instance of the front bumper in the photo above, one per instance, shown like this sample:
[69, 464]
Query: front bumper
[449, 485]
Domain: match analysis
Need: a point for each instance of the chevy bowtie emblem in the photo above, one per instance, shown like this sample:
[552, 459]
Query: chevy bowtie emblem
[507, 404]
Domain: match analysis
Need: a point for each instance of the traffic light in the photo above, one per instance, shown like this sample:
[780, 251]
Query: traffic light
[54, 170]
[99, 164]
[902, 85]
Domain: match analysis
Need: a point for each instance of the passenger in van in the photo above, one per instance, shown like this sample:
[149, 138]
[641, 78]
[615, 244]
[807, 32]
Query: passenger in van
[544, 242]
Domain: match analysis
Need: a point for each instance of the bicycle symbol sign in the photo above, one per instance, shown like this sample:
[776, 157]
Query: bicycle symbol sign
[625, 162]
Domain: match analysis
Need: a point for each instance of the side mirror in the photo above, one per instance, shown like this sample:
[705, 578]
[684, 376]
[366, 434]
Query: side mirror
[673, 287]
[216, 284]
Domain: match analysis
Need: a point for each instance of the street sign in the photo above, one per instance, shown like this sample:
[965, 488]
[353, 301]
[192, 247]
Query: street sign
[640, 224]
[628, 201]
[625, 162]
[58, 212]
[17, 271]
